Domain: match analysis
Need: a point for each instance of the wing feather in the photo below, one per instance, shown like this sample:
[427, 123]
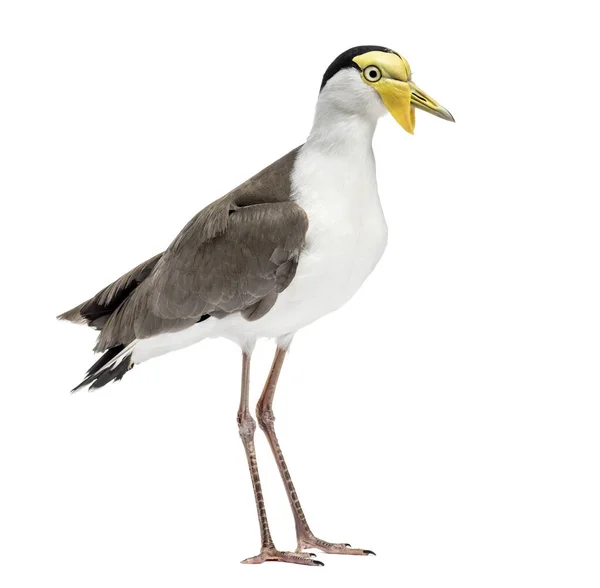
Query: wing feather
[241, 267]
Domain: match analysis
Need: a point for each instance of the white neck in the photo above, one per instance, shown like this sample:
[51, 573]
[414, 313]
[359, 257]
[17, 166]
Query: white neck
[335, 172]
[335, 129]
[346, 115]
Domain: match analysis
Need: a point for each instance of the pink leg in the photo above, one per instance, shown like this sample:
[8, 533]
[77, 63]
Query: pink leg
[247, 426]
[266, 421]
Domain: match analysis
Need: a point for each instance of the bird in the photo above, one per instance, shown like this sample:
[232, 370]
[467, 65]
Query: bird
[288, 246]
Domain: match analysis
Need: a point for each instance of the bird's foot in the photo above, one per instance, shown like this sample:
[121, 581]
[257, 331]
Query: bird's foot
[312, 542]
[272, 554]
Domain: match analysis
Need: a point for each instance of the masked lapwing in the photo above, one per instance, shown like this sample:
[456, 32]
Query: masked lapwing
[288, 246]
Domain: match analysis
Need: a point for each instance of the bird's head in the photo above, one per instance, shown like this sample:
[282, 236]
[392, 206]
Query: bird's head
[368, 77]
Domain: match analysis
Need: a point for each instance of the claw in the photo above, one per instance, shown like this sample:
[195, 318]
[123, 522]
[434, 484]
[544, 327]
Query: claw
[369, 552]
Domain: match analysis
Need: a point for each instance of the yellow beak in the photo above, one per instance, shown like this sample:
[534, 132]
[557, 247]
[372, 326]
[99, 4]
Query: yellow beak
[422, 101]
[401, 99]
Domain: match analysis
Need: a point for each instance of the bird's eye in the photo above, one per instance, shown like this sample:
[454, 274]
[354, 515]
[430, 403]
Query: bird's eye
[372, 73]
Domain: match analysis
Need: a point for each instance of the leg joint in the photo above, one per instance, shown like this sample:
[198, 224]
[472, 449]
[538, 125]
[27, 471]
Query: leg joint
[246, 426]
[265, 417]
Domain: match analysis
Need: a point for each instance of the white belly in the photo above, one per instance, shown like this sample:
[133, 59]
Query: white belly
[346, 237]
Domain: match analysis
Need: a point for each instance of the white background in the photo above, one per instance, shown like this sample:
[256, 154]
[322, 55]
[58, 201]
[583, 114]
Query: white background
[447, 417]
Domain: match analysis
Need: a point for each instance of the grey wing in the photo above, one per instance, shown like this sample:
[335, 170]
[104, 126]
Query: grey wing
[228, 259]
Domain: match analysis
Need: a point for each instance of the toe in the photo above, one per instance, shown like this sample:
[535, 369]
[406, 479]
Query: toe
[333, 548]
[306, 559]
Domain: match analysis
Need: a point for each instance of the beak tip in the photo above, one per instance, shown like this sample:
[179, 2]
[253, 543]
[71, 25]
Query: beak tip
[445, 114]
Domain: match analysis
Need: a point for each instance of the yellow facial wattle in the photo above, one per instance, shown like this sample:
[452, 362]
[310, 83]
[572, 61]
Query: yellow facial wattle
[390, 75]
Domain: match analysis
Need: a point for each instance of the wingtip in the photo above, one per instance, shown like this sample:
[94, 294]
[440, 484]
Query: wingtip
[72, 316]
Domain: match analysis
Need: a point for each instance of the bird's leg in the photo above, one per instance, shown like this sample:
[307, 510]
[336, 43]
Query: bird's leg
[247, 426]
[266, 421]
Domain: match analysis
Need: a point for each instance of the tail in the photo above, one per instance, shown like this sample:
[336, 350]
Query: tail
[112, 366]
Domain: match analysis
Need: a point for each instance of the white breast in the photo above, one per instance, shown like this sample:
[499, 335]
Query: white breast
[346, 237]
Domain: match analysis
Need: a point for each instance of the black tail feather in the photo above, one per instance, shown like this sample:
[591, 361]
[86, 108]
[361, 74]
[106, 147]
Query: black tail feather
[106, 357]
[99, 375]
